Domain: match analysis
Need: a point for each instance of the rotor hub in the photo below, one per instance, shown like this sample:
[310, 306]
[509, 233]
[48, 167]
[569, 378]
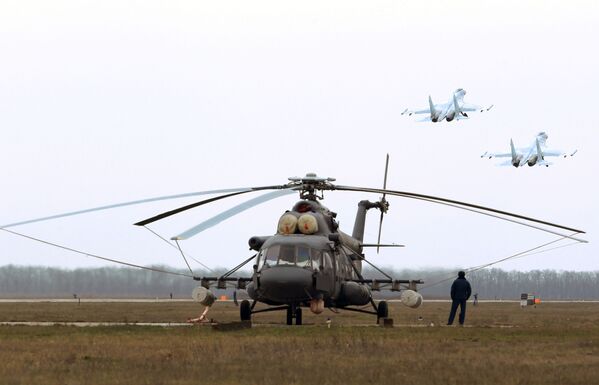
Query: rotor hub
[310, 185]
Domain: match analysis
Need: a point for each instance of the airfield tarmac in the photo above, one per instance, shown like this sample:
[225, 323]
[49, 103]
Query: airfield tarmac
[554, 343]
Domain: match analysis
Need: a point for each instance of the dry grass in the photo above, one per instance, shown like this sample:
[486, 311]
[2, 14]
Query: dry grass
[552, 344]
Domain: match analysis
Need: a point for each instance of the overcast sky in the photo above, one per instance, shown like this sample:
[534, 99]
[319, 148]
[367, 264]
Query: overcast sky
[109, 101]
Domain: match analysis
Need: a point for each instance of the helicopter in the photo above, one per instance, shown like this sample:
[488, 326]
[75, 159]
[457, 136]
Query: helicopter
[309, 262]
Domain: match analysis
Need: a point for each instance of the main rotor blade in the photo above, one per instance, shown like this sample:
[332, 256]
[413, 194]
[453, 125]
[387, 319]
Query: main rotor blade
[457, 204]
[129, 203]
[232, 212]
[381, 245]
[200, 203]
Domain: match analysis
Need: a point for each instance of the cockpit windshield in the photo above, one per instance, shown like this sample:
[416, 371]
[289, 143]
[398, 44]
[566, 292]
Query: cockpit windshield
[292, 255]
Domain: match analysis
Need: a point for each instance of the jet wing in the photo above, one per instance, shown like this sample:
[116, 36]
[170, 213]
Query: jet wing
[412, 112]
[496, 155]
[553, 152]
[473, 107]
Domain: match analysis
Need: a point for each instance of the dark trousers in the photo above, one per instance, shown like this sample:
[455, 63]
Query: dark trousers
[454, 308]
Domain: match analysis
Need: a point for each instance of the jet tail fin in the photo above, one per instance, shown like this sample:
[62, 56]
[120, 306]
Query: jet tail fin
[456, 106]
[459, 114]
[431, 105]
[539, 151]
[514, 154]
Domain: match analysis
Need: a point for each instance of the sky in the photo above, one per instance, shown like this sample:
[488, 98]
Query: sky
[109, 101]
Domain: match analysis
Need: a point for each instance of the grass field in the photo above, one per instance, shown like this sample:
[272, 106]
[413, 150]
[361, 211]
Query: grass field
[554, 343]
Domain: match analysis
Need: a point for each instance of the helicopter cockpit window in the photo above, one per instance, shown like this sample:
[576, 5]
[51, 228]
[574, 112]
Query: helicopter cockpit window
[303, 256]
[272, 255]
[287, 255]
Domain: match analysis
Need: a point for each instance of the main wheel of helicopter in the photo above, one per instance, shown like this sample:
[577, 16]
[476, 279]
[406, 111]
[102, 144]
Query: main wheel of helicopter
[382, 311]
[298, 316]
[245, 310]
[289, 315]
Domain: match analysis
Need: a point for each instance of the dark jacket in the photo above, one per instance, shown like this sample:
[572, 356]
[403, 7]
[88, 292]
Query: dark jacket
[460, 289]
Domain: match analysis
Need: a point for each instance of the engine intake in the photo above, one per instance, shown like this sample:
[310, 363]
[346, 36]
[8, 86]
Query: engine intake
[256, 242]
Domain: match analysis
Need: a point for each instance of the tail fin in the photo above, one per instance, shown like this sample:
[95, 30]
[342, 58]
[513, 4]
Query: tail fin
[431, 105]
[459, 114]
[539, 151]
[514, 155]
[542, 138]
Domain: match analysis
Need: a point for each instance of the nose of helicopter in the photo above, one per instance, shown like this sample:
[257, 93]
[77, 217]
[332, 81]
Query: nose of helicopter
[286, 283]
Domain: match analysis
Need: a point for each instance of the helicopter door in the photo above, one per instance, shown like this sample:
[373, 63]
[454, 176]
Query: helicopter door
[325, 276]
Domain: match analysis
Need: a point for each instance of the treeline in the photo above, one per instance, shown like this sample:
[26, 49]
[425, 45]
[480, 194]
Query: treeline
[116, 282]
[501, 284]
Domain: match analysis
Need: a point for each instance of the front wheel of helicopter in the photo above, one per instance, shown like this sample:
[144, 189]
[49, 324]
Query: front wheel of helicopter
[245, 310]
[382, 311]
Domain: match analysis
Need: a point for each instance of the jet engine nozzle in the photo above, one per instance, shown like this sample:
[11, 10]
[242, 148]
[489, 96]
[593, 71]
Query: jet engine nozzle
[516, 161]
[532, 160]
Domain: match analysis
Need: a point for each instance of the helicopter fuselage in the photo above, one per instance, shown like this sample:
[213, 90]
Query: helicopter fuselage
[308, 262]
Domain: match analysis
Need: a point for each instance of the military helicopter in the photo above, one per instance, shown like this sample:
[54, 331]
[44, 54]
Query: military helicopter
[310, 262]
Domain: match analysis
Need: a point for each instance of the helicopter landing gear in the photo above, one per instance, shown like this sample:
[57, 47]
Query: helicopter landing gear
[245, 310]
[382, 311]
[294, 311]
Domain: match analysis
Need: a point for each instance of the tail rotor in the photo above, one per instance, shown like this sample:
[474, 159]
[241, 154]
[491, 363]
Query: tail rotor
[383, 205]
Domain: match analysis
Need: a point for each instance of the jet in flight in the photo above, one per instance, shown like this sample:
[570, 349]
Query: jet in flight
[535, 154]
[455, 108]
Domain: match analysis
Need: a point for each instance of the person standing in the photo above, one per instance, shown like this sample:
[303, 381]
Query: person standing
[460, 292]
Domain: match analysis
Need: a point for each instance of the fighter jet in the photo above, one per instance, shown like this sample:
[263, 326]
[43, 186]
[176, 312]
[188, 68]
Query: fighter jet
[455, 108]
[535, 154]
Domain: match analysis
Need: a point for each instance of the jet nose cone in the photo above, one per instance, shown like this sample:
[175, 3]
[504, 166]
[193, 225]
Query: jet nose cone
[286, 283]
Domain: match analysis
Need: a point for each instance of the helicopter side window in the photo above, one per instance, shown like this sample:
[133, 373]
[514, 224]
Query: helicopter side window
[287, 255]
[303, 256]
[272, 254]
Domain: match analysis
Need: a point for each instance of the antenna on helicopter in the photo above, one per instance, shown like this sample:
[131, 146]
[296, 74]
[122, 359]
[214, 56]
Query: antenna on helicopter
[384, 205]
